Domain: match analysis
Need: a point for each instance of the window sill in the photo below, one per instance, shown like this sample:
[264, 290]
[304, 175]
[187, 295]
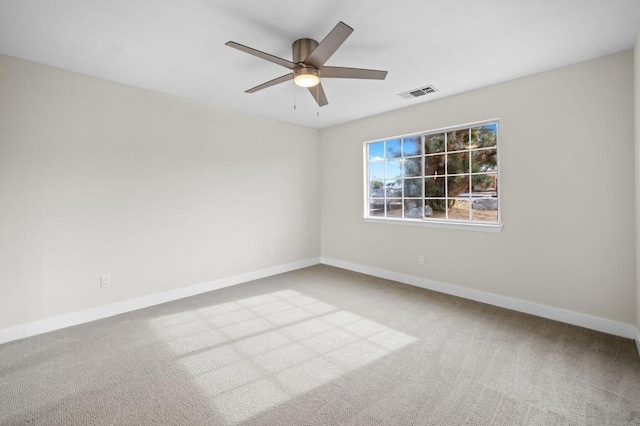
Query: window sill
[466, 226]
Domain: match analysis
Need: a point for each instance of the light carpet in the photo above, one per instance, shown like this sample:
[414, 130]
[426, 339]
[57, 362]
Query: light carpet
[321, 346]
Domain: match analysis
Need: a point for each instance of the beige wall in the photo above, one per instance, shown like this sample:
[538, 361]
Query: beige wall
[567, 193]
[160, 192]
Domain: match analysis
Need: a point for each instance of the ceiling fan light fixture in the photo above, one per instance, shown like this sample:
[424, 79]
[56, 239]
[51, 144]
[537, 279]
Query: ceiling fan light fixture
[306, 77]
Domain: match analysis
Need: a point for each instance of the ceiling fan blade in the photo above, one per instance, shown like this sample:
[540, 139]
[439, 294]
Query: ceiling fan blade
[342, 72]
[261, 55]
[318, 94]
[329, 45]
[270, 83]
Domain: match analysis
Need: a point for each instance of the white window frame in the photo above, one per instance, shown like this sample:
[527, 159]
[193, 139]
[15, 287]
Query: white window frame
[431, 222]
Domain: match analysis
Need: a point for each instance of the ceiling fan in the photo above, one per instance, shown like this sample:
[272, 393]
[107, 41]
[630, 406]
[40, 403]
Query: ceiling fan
[308, 65]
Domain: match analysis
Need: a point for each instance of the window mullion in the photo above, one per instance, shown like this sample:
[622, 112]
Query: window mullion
[446, 176]
[470, 143]
[384, 179]
[403, 176]
[424, 179]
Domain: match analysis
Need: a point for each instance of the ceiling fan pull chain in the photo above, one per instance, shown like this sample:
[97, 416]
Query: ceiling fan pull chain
[294, 95]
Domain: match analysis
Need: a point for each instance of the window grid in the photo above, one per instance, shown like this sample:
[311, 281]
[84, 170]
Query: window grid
[398, 193]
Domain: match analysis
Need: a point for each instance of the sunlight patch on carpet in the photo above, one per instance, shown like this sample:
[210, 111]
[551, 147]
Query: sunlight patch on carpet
[253, 354]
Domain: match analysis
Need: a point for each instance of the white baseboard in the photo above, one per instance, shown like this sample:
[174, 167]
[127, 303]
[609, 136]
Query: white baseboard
[557, 314]
[11, 333]
[63, 321]
[575, 318]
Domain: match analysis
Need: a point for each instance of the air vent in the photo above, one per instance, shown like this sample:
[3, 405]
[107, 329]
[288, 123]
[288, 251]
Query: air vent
[416, 93]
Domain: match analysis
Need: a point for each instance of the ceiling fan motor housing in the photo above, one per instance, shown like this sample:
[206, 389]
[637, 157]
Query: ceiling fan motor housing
[302, 48]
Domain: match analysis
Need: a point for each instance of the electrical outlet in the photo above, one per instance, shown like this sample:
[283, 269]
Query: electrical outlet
[105, 281]
[421, 259]
[272, 251]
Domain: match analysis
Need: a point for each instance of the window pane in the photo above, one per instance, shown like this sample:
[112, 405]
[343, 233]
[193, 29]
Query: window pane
[413, 166]
[411, 146]
[413, 209]
[434, 187]
[484, 160]
[376, 189]
[376, 171]
[376, 151]
[393, 188]
[393, 149]
[394, 207]
[413, 187]
[459, 209]
[434, 143]
[376, 207]
[486, 184]
[434, 165]
[485, 209]
[457, 185]
[458, 140]
[435, 208]
[393, 169]
[484, 136]
[458, 163]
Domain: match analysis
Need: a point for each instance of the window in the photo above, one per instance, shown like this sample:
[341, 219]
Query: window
[448, 175]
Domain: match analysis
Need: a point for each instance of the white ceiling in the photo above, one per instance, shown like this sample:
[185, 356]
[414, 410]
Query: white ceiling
[177, 47]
